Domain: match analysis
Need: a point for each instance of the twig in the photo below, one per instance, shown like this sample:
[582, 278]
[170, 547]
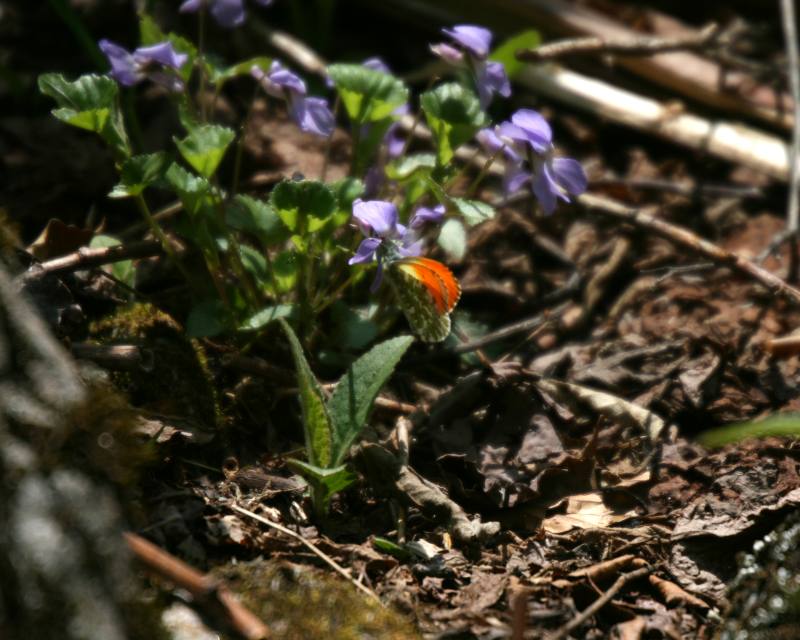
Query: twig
[85, 258]
[686, 238]
[118, 357]
[322, 555]
[788, 19]
[598, 604]
[637, 46]
[688, 191]
[203, 588]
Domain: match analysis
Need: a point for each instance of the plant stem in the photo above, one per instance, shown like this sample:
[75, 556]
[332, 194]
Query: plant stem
[158, 232]
[327, 153]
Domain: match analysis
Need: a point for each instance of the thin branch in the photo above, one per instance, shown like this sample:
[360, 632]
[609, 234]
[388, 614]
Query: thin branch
[117, 357]
[685, 238]
[601, 602]
[203, 588]
[639, 46]
[86, 258]
[320, 554]
[788, 20]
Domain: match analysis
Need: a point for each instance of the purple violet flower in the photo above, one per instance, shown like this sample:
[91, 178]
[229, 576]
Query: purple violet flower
[378, 221]
[226, 13]
[311, 114]
[427, 215]
[145, 62]
[471, 50]
[529, 136]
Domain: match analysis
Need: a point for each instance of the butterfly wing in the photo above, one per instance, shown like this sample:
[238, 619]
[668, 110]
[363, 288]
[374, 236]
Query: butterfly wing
[427, 292]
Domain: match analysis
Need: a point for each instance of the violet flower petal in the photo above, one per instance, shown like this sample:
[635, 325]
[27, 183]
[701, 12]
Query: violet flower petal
[474, 39]
[537, 131]
[492, 143]
[228, 13]
[394, 140]
[569, 174]
[427, 215]
[376, 64]
[366, 251]
[492, 79]
[161, 52]
[123, 66]
[312, 115]
[376, 216]
[281, 77]
[191, 6]
[515, 178]
[448, 53]
[545, 189]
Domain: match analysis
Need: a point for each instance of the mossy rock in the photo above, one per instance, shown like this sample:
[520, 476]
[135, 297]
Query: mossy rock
[299, 602]
[179, 382]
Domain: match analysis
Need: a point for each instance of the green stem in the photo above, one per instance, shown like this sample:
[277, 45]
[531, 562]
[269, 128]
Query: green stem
[327, 154]
[158, 232]
[482, 173]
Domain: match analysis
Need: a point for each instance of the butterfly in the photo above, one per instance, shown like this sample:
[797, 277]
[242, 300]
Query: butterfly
[428, 291]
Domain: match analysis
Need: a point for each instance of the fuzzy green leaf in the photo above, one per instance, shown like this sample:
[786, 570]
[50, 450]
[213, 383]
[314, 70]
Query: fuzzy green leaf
[204, 147]
[780, 425]
[454, 115]
[303, 205]
[411, 166]
[453, 239]
[139, 172]
[316, 421]
[262, 318]
[207, 319]
[506, 52]
[90, 103]
[355, 393]
[255, 216]
[473, 211]
[367, 95]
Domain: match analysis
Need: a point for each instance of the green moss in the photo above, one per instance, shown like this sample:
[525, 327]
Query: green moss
[179, 383]
[299, 602]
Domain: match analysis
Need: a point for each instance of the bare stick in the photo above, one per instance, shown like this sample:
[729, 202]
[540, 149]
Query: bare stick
[85, 258]
[686, 238]
[637, 46]
[118, 357]
[793, 224]
[203, 588]
[601, 602]
[320, 554]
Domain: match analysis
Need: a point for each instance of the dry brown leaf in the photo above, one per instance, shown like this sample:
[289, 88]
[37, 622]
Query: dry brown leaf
[673, 594]
[584, 511]
[607, 405]
[610, 568]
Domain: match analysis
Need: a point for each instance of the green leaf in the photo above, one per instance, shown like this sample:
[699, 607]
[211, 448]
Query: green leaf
[392, 548]
[411, 166]
[779, 425]
[220, 76]
[255, 216]
[316, 421]
[367, 95]
[262, 318]
[453, 239]
[352, 330]
[90, 103]
[356, 391]
[139, 172]
[194, 191]
[454, 115]
[123, 270]
[206, 319]
[505, 53]
[285, 269]
[346, 191]
[323, 482]
[204, 147]
[473, 211]
[303, 205]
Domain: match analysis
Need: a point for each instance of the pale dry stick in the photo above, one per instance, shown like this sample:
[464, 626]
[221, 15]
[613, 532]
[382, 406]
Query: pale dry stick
[317, 552]
[598, 604]
[788, 19]
[639, 46]
[685, 238]
[86, 258]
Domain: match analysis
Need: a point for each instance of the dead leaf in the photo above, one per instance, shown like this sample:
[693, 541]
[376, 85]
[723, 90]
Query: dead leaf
[58, 239]
[673, 594]
[584, 511]
[607, 405]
